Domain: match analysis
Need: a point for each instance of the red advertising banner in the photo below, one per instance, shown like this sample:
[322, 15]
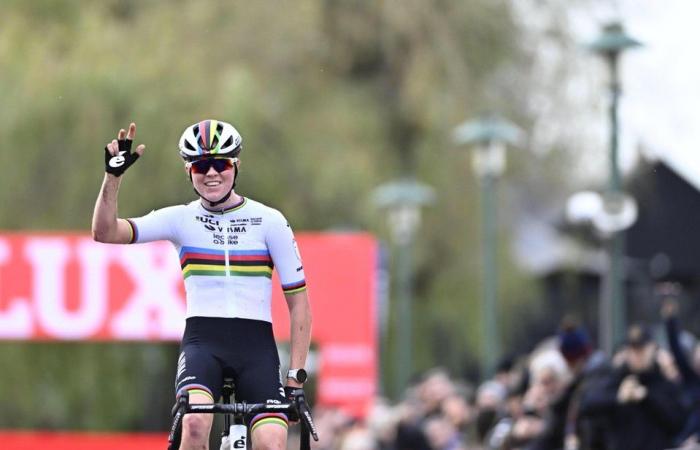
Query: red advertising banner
[82, 441]
[68, 287]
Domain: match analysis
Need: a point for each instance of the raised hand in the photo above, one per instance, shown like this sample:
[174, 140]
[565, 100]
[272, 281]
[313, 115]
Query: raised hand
[118, 155]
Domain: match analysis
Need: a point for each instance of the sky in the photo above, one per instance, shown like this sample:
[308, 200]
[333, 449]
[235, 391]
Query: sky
[661, 81]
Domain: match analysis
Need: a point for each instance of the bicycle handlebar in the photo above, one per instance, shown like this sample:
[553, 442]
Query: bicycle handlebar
[241, 409]
[294, 411]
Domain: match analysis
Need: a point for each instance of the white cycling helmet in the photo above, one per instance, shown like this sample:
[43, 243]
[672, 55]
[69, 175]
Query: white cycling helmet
[210, 138]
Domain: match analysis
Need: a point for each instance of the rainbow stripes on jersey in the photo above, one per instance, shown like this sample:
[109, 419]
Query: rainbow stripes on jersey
[293, 288]
[205, 261]
[246, 263]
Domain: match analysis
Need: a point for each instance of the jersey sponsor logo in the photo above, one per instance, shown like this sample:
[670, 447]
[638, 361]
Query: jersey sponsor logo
[220, 239]
[215, 225]
[210, 223]
[184, 380]
[181, 364]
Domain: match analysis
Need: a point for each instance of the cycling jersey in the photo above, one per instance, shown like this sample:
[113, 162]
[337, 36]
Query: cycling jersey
[227, 257]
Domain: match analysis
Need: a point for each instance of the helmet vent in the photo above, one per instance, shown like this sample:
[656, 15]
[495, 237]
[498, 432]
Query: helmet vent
[189, 146]
[228, 142]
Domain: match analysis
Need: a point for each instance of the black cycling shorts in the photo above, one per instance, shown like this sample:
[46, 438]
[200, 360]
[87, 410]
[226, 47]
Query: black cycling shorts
[213, 348]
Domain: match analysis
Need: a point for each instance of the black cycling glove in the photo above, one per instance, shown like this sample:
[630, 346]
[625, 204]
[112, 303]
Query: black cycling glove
[117, 165]
[294, 394]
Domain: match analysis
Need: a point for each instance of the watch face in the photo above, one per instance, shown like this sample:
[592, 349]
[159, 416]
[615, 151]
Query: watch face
[301, 375]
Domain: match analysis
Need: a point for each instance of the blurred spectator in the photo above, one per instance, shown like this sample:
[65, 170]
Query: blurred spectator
[490, 403]
[435, 387]
[688, 368]
[442, 434]
[331, 424]
[358, 438]
[566, 425]
[459, 411]
[382, 422]
[549, 376]
[508, 373]
[411, 417]
[563, 396]
[642, 405]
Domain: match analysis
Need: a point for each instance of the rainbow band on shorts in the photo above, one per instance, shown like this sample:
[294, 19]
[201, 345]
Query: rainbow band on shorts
[195, 389]
[268, 418]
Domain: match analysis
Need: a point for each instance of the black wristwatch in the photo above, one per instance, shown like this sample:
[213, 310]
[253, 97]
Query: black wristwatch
[298, 375]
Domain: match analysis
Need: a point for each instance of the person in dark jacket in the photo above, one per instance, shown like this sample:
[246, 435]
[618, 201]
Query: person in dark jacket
[644, 409]
[689, 369]
[565, 426]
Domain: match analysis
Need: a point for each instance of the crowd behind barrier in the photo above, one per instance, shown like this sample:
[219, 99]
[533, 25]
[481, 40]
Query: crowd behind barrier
[565, 394]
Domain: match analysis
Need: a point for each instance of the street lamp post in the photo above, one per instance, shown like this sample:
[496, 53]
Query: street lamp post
[610, 44]
[402, 199]
[489, 136]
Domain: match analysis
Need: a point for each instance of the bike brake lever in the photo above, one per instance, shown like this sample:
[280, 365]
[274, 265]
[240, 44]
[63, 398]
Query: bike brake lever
[305, 414]
[181, 403]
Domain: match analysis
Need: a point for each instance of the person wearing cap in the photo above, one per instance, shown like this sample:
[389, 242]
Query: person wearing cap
[642, 405]
[566, 426]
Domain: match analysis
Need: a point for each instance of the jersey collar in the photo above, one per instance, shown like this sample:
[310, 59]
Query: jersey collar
[233, 208]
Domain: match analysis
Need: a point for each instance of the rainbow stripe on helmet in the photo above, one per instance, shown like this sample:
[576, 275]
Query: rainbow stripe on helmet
[209, 138]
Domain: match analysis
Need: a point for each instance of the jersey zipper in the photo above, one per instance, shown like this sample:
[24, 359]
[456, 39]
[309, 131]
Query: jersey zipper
[226, 258]
[226, 253]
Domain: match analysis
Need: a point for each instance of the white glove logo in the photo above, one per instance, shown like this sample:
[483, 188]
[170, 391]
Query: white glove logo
[116, 161]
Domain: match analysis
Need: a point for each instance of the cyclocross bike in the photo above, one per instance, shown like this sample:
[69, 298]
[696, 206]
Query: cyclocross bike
[235, 433]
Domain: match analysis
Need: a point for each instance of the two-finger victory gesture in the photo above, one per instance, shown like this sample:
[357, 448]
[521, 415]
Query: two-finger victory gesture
[118, 155]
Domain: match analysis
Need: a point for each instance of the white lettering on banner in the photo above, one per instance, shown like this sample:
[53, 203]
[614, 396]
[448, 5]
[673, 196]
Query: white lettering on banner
[49, 257]
[334, 388]
[341, 355]
[156, 308]
[16, 319]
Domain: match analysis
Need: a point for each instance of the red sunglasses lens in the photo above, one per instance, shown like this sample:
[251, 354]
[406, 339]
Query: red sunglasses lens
[219, 164]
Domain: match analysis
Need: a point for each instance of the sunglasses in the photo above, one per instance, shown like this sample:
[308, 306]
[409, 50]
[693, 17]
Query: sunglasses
[202, 166]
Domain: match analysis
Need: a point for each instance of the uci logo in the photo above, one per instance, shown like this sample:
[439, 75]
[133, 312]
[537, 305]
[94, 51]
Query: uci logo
[117, 161]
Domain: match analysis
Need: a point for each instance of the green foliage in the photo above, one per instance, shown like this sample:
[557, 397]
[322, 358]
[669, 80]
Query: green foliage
[332, 98]
[97, 386]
